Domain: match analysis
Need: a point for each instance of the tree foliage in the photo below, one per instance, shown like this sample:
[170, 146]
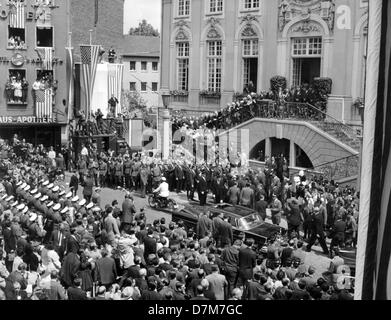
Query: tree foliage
[144, 29]
[133, 104]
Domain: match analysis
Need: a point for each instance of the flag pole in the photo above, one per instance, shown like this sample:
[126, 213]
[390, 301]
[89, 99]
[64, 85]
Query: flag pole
[91, 31]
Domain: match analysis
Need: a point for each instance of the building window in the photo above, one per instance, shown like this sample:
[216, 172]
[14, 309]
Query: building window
[215, 6]
[214, 65]
[183, 8]
[183, 53]
[44, 37]
[154, 86]
[16, 38]
[250, 64]
[154, 66]
[251, 4]
[16, 87]
[306, 60]
[132, 65]
[307, 47]
[143, 66]
[132, 86]
[143, 86]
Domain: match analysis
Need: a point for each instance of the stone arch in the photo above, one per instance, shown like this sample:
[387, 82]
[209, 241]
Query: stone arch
[312, 17]
[360, 24]
[319, 147]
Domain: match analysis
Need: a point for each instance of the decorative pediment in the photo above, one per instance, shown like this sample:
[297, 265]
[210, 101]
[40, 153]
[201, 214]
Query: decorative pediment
[249, 18]
[181, 35]
[307, 27]
[249, 32]
[213, 34]
[290, 9]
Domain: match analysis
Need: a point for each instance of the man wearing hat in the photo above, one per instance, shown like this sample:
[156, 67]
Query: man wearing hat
[82, 209]
[55, 194]
[88, 186]
[49, 191]
[34, 230]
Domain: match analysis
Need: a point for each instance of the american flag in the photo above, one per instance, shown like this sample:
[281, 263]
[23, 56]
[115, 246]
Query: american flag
[44, 103]
[116, 72]
[17, 15]
[46, 55]
[89, 60]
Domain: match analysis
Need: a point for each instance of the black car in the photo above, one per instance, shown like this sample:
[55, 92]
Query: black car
[243, 220]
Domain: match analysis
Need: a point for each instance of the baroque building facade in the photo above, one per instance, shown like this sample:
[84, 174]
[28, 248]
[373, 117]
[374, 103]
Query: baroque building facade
[212, 49]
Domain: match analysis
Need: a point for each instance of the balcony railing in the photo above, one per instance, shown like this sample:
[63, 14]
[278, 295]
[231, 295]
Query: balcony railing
[179, 98]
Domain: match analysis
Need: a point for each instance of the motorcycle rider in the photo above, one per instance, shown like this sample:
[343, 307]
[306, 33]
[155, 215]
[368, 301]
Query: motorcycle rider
[163, 191]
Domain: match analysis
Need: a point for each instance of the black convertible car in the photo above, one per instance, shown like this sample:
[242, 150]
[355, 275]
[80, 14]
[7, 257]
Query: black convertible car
[242, 219]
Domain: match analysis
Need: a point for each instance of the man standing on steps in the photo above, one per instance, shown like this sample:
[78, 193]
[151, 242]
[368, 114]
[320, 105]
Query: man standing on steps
[317, 226]
[202, 189]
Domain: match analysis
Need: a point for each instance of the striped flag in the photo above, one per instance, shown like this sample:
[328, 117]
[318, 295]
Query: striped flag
[116, 72]
[46, 55]
[70, 80]
[373, 263]
[89, 59]
[44, 103]
[16, 15]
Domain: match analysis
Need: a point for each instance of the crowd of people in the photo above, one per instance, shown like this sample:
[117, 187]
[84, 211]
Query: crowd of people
[16, 88]
[58, 246]
[16, 42]
[283, 103]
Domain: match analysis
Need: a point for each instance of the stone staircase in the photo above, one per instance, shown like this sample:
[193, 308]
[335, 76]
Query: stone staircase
[342, 134]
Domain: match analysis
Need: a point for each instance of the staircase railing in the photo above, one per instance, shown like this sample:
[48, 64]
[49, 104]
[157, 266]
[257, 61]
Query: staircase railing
[340, 169]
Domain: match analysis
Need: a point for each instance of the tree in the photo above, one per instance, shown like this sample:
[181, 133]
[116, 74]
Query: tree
[134, 104]
[144, 29]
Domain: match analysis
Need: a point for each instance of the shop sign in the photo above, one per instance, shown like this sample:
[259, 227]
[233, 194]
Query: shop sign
[26, 119]
[17, 60]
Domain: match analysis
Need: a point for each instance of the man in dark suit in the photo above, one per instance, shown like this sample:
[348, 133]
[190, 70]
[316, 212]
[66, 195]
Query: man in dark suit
[204, 225]
[128, 210]
[247, 262]
[149, 244]
[317, 225]
[76, 292]
[234, 194]
[202, 189]
[200, 294]
[218, 226]
[260, 207]
[106, 271]
[59, 240]
[69, 268]
[179, 176]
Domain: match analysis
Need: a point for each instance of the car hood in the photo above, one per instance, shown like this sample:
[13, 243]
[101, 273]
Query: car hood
[265, 229]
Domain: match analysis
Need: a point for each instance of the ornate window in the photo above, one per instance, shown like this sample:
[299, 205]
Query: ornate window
[214, 55]
[215, 6]
[183, 54]
[183, 8]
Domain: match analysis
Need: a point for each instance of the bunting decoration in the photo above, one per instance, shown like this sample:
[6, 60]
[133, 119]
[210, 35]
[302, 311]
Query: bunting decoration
[89, 63]
[70, 80]
[46, 55]
[44, 103]
[373, 262]
[116, 72]
[17, 16]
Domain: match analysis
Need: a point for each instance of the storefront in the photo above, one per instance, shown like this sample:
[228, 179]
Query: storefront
[32, 129]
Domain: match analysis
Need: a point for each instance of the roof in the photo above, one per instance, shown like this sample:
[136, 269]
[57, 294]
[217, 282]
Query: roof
[140, 46]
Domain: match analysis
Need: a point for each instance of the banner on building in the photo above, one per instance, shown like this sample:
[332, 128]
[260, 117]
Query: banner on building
[373, 264]
[43, 15]
[115, 73]
[89, 60]
[70, 81]
[17, 15]
[46, 55]
[44, 103]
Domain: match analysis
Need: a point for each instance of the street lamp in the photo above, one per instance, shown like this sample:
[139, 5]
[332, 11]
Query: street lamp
[166, 99]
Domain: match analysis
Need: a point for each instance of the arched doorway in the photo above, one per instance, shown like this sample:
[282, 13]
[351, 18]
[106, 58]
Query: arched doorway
[258, 152]
[302, 159]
